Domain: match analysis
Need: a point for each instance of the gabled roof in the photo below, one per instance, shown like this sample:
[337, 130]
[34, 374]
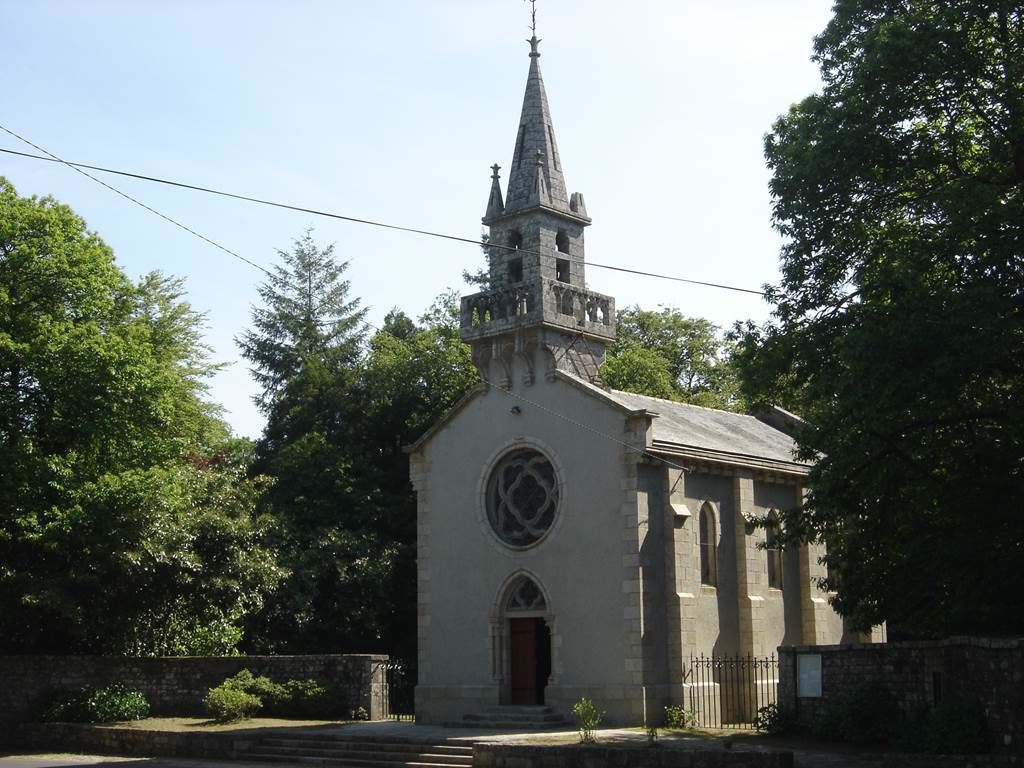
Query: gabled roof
[708, 433]
[680, 429]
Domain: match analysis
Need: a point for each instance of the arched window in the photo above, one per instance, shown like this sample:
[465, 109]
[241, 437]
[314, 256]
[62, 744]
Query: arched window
[774, 551]
[562, 241]
[515, 239]
[525, 596]
[708, 550]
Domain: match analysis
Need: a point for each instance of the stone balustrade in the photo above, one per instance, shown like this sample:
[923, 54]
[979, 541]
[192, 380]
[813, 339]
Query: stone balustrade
[559, 304]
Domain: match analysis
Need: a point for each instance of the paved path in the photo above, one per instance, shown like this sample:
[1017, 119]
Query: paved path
[804, 757]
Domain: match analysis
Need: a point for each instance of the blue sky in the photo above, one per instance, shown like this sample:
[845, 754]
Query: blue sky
[395, 111]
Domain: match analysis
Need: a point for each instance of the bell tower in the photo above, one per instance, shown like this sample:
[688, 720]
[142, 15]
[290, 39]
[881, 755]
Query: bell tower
[537, 307]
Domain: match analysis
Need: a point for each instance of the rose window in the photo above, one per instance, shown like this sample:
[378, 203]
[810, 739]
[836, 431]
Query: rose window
[522, 497]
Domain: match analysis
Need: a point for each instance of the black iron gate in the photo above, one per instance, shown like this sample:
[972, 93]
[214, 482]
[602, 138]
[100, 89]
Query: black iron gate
[727, 691]
[399, 686]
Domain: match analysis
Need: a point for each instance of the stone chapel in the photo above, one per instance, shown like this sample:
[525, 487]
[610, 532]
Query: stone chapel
[574, 540]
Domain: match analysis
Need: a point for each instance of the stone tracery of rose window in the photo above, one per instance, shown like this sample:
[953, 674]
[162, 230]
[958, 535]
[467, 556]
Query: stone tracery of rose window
[522, 497]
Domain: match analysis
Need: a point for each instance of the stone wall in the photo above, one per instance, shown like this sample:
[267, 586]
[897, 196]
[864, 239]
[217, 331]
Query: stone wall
[988, 672]
[104, 740]
[176, 686]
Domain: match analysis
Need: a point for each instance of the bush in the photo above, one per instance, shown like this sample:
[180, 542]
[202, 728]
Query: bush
[774, 720]
[679, 717]
[299, 698]
[292, 698]
[226, 704]
[111, 704]
[589, 718]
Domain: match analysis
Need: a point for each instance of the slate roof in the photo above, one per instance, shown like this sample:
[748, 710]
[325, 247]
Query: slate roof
[693, 426]
[704, 432]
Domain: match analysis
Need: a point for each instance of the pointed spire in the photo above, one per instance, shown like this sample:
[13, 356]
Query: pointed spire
[495, 205]
[536, 135]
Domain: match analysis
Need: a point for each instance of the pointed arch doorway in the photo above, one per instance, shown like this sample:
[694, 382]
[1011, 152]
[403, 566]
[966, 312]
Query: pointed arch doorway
[525, 624]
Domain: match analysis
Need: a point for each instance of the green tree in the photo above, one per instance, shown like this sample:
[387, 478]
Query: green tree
[899, 322]
[666, 354]
[125, 523]
[304, 348]
[411, 375]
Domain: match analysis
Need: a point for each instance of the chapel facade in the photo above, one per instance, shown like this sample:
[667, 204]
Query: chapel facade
[575, 540]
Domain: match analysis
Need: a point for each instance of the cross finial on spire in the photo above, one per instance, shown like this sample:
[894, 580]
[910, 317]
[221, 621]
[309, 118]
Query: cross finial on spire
[495, 168]
[533, 41]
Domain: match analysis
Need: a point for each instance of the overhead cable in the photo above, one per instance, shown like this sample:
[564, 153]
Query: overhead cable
[316, 212]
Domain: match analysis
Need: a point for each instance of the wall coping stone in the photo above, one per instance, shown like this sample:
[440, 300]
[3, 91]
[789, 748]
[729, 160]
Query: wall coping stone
[998, 643]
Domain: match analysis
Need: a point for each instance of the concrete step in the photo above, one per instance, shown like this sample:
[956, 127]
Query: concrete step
[345, 762]
[301, 743]
[513, 725]
[372, 756]
[538, 717]
[522, 708]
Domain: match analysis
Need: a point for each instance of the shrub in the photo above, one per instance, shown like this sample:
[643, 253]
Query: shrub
[589, 718]
[111, 704]
[226, 703]
[298, 698]
[774, 720]
[292, 698]
[679, 717]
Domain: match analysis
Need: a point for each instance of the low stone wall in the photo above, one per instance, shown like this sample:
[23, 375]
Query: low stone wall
[108, 740]
[988, 672]
[609, 756]
[176, 685]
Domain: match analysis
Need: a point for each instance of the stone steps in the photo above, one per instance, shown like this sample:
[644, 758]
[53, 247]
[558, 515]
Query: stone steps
[513, 717]
[352, 752]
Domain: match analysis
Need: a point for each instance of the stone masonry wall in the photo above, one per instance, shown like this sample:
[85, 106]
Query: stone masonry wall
[176, 686]
[989, 672]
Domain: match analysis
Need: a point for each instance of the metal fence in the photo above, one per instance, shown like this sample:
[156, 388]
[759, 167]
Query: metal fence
[727, 691]
[399, 685]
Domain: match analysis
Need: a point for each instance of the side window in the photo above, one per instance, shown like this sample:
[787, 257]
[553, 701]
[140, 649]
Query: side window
[773, 549]
[708, 550]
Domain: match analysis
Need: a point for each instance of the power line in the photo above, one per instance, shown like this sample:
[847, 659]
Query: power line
[355, 220]
[73, 166]
[509, 392]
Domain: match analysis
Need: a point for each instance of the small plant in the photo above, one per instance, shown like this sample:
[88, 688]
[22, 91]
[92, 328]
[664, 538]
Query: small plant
[678, 716]
[652, 735]
[112, 704]
[774, 720]
[359, 713]
[225, 704]
[589, 718]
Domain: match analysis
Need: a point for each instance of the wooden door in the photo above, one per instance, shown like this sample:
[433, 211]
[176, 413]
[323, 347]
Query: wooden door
[523, 660]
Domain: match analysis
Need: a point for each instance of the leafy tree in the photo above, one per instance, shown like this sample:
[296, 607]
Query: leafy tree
[407, 381]
[666, 354]
[126, 525]
[899, 322]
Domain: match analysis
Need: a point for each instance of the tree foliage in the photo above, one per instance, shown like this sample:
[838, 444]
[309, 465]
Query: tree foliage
[339, 411]
[666, 354]
[126, 520]
[899, 322]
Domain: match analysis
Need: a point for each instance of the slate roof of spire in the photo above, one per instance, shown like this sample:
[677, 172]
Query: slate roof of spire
[535, 142]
